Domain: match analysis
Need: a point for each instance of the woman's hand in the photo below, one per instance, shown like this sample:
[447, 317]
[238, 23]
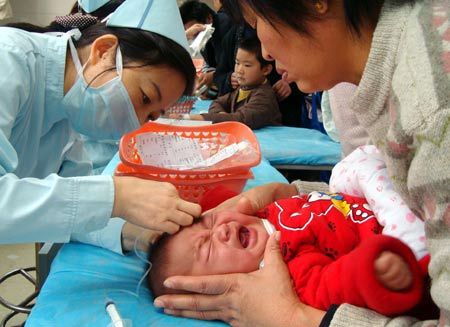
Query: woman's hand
[192, 32]
[261, 298]
[152, 205]
[205, 79]
[282, 89]
[257, 198]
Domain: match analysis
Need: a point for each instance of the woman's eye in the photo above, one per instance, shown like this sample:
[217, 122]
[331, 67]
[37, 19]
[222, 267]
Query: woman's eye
[146, 99]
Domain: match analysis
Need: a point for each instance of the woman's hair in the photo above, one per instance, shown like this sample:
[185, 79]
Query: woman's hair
[194, 10]
[253, 45]
[142, 47]
[297, 13]
[146, 49]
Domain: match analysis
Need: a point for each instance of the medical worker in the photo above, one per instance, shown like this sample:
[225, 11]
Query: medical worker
[103, 82]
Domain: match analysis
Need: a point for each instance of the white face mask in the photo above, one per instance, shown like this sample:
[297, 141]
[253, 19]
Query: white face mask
[102, 113]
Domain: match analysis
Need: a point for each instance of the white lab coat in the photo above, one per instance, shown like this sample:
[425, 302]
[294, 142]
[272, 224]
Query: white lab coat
[40, 154]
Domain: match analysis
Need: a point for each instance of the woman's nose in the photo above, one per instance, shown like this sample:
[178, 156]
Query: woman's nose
[265, 54]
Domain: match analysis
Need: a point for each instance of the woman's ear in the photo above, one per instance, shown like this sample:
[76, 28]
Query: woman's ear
[267, 69]
[321, 6]
[103, 49]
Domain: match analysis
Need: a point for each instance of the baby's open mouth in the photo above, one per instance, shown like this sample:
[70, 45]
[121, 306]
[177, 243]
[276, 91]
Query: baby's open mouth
[244, 236]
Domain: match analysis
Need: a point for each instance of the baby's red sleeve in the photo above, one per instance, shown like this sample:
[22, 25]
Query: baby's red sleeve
[321, 281]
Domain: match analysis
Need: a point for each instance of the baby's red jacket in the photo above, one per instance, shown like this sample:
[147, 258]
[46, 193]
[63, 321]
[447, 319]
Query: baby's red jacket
[330, 244]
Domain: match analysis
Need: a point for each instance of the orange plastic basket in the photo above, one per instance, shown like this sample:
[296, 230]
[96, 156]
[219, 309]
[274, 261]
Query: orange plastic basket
[216, 136]
[230, 174]
[192, 187]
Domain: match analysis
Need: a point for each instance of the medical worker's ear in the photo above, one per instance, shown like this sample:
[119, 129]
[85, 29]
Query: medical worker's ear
[103, 50]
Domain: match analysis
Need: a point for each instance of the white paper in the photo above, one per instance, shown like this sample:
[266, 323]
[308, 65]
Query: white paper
[182, 153]
[202, 38]
[169, 151]
[182, 122]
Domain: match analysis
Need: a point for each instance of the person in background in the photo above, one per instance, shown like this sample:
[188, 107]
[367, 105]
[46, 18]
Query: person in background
[396, 52]
[102, 82]
[195, 15]
[254, 102]
[290, 98]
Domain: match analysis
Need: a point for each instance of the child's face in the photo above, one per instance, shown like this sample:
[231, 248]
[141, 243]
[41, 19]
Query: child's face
[224, 242]
[248, 70]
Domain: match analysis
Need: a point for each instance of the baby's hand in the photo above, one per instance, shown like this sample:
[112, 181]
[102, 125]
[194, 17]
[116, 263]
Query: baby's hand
[392, 271]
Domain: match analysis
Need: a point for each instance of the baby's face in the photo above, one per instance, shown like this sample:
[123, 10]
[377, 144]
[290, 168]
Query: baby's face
[224, 242]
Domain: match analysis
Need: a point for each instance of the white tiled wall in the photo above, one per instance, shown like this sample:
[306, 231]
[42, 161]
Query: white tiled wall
[39, 12]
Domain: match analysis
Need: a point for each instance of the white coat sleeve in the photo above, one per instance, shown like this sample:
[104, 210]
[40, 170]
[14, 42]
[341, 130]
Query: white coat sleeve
[49, 209]
[77, 162]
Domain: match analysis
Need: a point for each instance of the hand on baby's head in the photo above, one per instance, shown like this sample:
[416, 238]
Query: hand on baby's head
[393, 271]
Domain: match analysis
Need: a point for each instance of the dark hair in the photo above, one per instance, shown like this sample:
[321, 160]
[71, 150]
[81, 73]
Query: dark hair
[297, 13]
[195, 10]
[158, 271]
[145, 48]
[253, 45]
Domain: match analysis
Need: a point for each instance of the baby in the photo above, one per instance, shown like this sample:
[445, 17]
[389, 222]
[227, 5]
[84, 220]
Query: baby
[332, 244]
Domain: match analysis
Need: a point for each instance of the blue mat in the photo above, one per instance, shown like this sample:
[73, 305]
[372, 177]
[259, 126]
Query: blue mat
[283, 145]
[83, 278]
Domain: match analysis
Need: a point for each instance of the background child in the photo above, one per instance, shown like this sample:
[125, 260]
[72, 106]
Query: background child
[331, 243]
[254, 102]
[195, 15]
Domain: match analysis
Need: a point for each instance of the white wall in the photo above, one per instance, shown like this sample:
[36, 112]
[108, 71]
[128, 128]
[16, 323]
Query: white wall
[39, 12]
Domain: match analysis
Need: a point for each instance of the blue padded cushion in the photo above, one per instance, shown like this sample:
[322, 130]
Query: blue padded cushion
[283, 145]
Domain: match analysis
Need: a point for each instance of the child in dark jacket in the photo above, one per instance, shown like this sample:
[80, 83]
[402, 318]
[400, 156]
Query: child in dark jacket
[254, 102]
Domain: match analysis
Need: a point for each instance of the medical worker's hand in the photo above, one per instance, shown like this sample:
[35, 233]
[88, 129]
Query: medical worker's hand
[153, 205]
[282, 89]
[261, 298]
